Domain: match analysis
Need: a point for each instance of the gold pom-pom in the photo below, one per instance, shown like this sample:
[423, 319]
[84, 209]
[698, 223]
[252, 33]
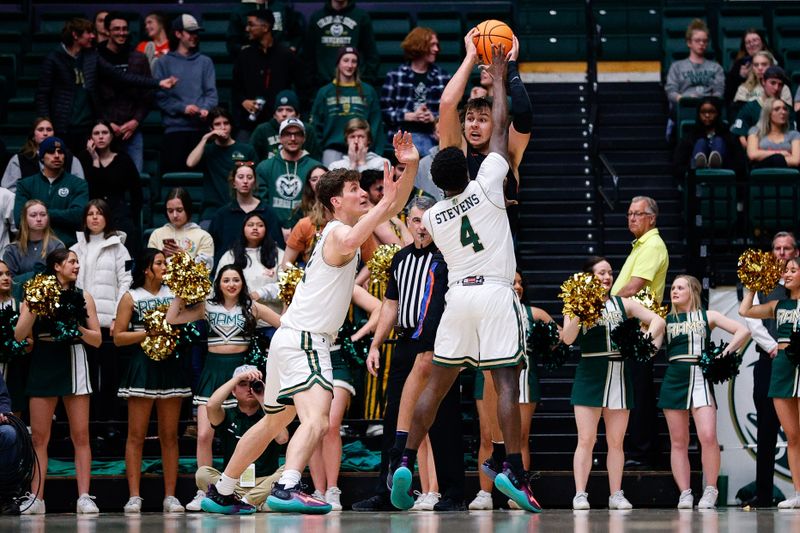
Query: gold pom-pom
[188, 279]
[287, 283]
[584, 297]
[646, 298]
[380, 262]
[162, 338]
[759, 271]
[42, 294]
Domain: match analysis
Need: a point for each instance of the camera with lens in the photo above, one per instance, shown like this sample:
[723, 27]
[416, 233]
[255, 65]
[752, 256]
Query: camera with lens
[257, 386]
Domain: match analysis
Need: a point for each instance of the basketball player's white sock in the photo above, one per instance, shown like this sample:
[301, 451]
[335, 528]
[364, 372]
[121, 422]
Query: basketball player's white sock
[225, 485]
[289, 478]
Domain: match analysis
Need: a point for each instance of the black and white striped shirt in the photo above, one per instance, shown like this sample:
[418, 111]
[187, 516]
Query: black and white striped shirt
[410, 283]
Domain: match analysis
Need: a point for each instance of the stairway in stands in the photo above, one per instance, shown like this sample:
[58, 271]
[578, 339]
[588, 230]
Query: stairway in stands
[562, 223]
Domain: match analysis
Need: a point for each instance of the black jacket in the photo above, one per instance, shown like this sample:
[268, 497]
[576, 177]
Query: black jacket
[57, 84]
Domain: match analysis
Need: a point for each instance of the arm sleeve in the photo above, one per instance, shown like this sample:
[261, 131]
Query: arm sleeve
[210, 98]
[127, 77]
[205, 250]
[124, 276]
[648, 263]
[759, 333]
[12, 174]
[166, 100]
[22, 196]
[718, 86]
[144, 101]
[521, 108]
[45, 87]
[77, 168]
[392, 115]
[671, 85]
[11, 258]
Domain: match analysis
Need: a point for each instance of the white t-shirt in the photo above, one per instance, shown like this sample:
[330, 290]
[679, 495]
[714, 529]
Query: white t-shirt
[471, 229]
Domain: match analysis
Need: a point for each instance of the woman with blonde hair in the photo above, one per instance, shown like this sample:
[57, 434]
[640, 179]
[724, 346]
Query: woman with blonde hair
[685, 390]
[771, 143]
[35, 241]
[752, 88]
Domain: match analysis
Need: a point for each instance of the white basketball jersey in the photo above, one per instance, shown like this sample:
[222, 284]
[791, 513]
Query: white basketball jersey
[471, 229]
[322, 297]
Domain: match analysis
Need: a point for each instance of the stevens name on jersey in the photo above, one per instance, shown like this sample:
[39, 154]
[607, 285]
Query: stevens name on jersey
[465, 205]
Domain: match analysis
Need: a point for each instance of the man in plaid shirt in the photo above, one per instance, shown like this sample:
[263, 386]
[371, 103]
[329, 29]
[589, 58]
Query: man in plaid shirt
[410, 95]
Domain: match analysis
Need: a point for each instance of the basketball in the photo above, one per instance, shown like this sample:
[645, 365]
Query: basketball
[492, 32]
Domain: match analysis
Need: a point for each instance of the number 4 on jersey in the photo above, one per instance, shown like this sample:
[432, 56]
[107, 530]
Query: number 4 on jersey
[468, 235]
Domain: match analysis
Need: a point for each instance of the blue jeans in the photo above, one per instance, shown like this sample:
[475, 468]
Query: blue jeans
[135, 148]
[8, 439]
[705, 145]
[423, 141]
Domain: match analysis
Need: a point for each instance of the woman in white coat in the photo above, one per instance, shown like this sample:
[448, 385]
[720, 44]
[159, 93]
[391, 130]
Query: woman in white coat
[105, 274]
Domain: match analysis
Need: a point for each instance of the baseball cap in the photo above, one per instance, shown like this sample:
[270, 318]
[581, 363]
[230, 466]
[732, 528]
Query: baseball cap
[49, 145]
[777, 73]
[287, 97]
[291, 122]
[186, 22]
[242, 369]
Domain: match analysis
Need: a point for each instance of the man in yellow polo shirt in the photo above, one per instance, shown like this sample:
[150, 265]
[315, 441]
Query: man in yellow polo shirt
[646, 266]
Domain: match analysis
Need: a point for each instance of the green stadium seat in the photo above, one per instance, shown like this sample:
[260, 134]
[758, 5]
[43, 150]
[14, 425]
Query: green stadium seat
[612, 18]
[773, 199]
[8, 69]
[716, 196]
[644, 47]
[11, 42]
[390, 24]
[390, 51]
[214, 48]
[787, 39]
[451, 50]
[446, 25]
[553, 47]
[686, 112]
[555, 20]
[644, 19]
[614, 47]
[214, 27]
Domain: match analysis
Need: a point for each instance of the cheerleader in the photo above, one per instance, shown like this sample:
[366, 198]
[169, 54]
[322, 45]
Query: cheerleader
[784, 385]
[602, 385]
[148, 382]
[232, 316]
[13, 374]
[685, 389]
[59, 369]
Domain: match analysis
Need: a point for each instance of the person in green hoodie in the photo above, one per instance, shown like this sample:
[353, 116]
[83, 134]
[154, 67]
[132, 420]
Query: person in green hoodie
[339, 23]
[265, 138]
[346, 98]
[281, 178]
[64, 194]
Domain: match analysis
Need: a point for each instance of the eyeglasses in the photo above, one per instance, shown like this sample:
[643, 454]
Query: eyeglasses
[638, 214]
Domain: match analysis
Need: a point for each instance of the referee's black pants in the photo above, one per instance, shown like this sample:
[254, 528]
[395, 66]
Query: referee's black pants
[445, 434]
[767, 428]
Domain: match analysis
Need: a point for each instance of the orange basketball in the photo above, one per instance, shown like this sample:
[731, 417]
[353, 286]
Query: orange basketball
[492, 32]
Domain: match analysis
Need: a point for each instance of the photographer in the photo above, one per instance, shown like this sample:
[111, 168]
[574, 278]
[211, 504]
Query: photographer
[229, 425]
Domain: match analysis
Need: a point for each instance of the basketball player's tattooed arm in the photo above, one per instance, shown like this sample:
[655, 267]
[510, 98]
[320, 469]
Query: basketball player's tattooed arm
[498, 143]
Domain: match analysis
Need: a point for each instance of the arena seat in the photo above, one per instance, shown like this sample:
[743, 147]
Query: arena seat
[773, 199]
[447, 25]
[716, 195]
[732, 22]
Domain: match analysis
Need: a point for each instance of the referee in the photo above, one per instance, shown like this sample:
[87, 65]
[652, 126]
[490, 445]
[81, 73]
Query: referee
[413, 305]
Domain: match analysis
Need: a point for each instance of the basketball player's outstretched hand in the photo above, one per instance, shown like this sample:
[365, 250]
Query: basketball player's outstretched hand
[497, 68]
[469, 44]
[404, 148]
[513, 54]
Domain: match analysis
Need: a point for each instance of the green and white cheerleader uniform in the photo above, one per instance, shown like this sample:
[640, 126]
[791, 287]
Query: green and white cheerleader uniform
[530, 390]
[684, 386]
[602, 378]
[225, 328]
[145, 377]
[57, 368]
[342, 377]
[15, 372]
[785, 379]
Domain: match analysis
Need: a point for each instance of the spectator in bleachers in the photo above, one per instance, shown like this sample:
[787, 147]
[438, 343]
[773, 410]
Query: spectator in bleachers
[147, 383]
[484, 88]
[772, 143]
[709, 144]
[100, 26]
[226, 224]
[180, 234]
[339, 23]
[26, 255]
[64, 194]
[260, 72]
[473, 131]
[184, 109]
[59, 372]
[411, 93]
[259, 257]
[288, 27]
[359, 139]
[103, 272]
[231, 423]
[281, 178]
[69, 82]
[753, 41]
[753, 87]
[8, 228]
[113, 177]
[774, 81]
[345, 98]
[695, 76]
[123, 106]
[27, 162]
[155, 24]
[267, 141]
[217, 154]
[423, 182]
